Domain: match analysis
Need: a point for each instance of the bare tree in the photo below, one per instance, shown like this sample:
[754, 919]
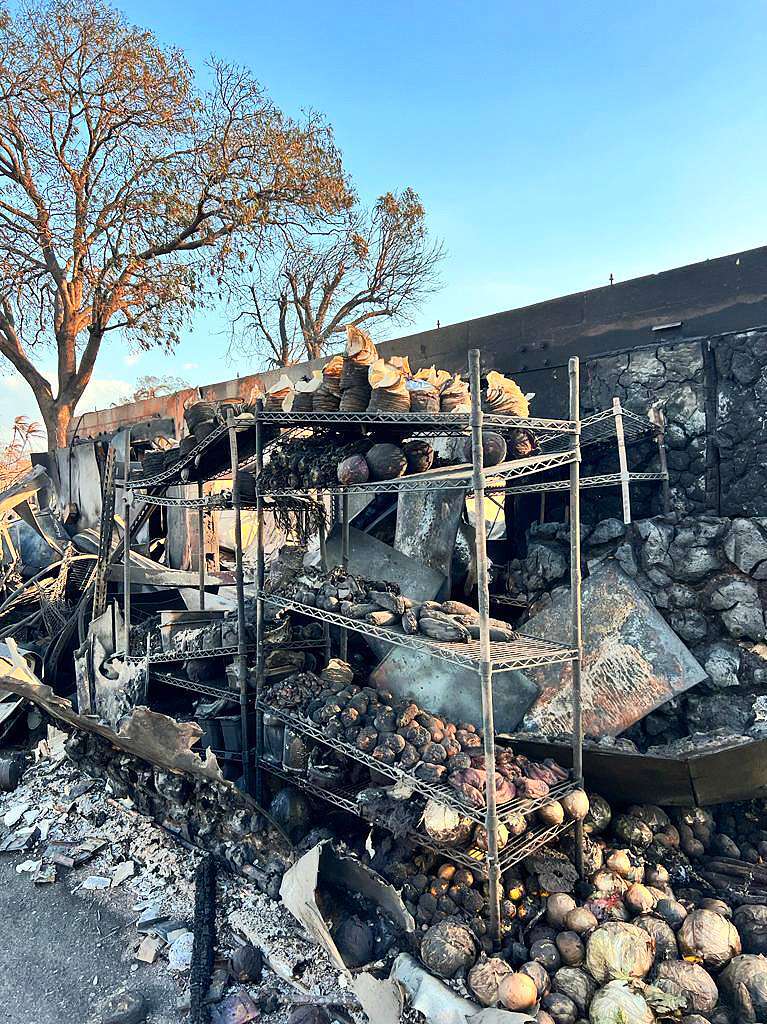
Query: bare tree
[153, 387]
[373, 265]
[127, 194]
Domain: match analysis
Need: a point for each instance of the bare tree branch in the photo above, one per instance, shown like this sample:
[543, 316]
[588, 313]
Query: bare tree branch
[127, 196]
[377, 265]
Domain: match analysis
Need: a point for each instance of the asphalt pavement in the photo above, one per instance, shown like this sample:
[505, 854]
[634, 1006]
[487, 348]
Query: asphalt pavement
[64, 953]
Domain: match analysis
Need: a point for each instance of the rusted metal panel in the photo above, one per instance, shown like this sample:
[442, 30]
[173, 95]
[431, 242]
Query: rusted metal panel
[633, 661]
[618, 774]
[733, 772]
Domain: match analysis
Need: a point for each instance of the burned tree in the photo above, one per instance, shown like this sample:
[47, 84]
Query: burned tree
[126, 193]
[365, 267]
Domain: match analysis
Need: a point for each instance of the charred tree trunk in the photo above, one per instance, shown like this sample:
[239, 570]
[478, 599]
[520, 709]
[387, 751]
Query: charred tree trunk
[57, 415]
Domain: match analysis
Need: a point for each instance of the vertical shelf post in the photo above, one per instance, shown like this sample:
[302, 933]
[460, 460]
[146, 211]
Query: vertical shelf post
[344, 652]
[127, 499]
[660, 422]
[201, 556]
[486, 668]
[259, 598]
[622, 460]
[576, 624]
[242, 663]
[324, 566]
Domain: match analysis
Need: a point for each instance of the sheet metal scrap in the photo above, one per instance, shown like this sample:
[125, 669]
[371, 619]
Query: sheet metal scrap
[633, 661]
[451, 690]
[154, 737]
[726, 772]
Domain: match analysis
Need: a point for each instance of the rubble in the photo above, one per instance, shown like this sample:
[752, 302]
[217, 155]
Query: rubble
[401, 856]
[87, 816]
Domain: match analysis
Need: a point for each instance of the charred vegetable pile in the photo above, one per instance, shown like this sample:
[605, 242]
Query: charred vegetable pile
[642, 940]
[400, 733]
[380, 603]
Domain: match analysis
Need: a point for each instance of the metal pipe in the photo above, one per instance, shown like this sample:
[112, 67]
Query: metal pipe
[660, 421]
[486, 667]
[242, 662]
[127, 499]
[324, 566]
[344, 652]
[147, 667]
[201, 546]
[622, 460]
[575, 592]
[259, 598]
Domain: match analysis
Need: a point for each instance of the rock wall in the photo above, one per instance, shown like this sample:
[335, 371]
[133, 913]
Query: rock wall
[669, 378]
[740, 364]
[707, 575]
[713, 393]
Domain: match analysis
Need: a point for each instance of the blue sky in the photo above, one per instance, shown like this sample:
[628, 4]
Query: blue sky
[552, 143]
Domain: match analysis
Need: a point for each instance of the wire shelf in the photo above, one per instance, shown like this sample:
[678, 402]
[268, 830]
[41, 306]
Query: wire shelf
[439, 791]
[446, 478]
[187, 684]
[345, 798]
[600, 428]
[523, 653]
[434, 423]
[603, 480]
[172, 475]
[528, 843]
[208, 501]
[178, 655]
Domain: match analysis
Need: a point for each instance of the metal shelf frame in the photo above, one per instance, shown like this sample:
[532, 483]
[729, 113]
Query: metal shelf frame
[442, 423]
[560, 446]
[167, 657]
[439, 791]
[602, 480]
[133, 492]
[525, 653]
[446, 478]
[173, 474]
[614, 427]
[561, 441]
[203, 688]
[345, 799]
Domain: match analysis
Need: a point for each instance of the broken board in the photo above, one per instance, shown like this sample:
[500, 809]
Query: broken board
[632, 660]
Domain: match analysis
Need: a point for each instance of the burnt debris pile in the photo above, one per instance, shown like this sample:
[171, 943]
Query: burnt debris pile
[367, 643]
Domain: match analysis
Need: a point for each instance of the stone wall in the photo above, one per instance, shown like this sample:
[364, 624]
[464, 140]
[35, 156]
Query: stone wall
[672, 379]
[713, 393]
[707, 575]
[740, 364]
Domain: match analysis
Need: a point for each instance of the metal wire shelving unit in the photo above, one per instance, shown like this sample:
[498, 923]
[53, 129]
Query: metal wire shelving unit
[344, 797]
[523, 653]
[560, 444]
[206, 689]
[617, 428]
[439, 791]
[149, 491]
